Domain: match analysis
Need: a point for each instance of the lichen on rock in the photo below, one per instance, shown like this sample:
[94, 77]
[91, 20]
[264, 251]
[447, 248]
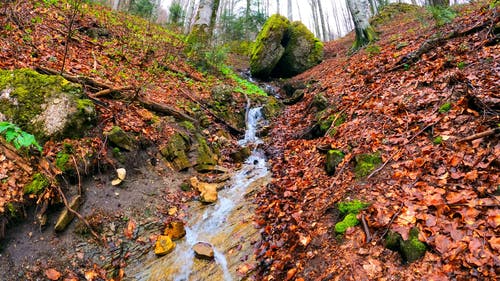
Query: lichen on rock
[46, 106]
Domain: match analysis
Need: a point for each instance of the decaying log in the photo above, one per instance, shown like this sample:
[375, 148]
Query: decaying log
[111, 90]
[75, 79]
[165, 109]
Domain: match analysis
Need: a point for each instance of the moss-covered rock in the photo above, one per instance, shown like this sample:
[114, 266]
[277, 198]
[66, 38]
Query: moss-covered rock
[352, 207]
[226, 106]
[175, 151]
[241, 154]
[284, 49]
[268, 48]
[121, 139]
[38, 183]
[302, 51]
[366, 163]
[333, 158]
[206, 159]
[411, 249]
[46, 106]
[320, 102]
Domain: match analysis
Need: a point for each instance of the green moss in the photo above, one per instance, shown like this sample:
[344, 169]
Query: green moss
[325, 124]
[352, 207]
[349, 221]
[272, 107]
[38, 183]
[206, 158]
[333, 158]
[12, 209]
[185, 186]
[366, 163]
[188, 125]
[438, 140]
[273, 31]
[393, 240]
[392, 10]
[412, 249]
[62, 161]
[445, 107]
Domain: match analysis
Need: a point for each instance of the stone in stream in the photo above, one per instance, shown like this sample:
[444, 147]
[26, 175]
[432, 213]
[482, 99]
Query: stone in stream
[175, 230]
[164, 245]
[66, 216]
[203, 250]
[208, 191]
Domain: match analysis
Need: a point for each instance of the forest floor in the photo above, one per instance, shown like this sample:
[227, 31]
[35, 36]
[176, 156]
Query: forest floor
[415, 114]
[412, 114]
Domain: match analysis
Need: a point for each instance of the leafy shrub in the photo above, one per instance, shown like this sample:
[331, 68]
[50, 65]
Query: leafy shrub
[176, 13]
[142, 8]
[18, 137]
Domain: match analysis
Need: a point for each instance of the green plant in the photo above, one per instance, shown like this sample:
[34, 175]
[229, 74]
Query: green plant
[18, 137]
[350, 209]
[176, 13]
[445, 107]
[442, 15]
[438, 140]
[373, 49]
[366, 163]
[461, 65]
[142, 8]
[38, 183]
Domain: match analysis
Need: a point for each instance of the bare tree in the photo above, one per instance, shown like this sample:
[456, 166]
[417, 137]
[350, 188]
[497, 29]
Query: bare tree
[289, 10]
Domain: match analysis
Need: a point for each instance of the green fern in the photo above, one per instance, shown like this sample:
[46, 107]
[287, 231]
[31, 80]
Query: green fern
[18, 137]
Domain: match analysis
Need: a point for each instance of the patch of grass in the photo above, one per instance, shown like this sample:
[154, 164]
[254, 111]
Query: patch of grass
[244, 86]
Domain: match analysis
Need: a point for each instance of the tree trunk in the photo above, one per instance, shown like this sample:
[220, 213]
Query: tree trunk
[360, 12]
[289, 10]
[323, 24]
[204, 21]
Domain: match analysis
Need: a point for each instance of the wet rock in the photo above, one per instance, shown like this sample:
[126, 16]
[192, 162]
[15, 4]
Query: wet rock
[175, 151]
[175, 230]
[164, 245]
[46, 106]
[241, 154]
[121, 139]
[333, 158]
[208, 191]
[203, 250]
[66, 216]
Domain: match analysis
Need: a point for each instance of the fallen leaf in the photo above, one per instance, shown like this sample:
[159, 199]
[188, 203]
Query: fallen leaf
[129, 230]
[52, 274]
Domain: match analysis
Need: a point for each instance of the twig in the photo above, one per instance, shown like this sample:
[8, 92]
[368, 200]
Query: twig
[480, 135]
[366, 229]
[80, 217]
[397, 151]
[111, 90]
[78, 174]
[393, 218]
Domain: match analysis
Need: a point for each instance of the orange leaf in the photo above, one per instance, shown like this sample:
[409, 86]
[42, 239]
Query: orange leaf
[52, 274]
[129, 231]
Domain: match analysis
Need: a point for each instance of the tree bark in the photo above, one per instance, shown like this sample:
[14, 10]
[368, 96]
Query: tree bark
[360, 12]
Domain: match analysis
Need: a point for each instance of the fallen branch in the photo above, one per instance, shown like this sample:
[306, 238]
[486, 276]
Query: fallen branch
[480, 135]
[84, 80]
[11, 153]
[165, 109]
[231, 128]
[433, 43]
[111, 90]
[397, 151]
[366, 229]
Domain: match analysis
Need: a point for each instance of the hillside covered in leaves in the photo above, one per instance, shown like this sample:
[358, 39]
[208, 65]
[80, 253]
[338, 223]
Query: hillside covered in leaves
[414, 118]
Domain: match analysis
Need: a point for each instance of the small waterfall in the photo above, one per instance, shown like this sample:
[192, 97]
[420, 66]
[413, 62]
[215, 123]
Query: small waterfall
[209, 224]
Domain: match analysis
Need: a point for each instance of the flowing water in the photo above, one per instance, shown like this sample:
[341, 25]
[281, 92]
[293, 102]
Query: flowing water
[226, 225]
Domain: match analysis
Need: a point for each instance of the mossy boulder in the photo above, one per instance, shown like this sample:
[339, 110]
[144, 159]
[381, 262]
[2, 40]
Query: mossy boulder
[206, 159]
[320, 102]
[284, 49]
[226, 106]
[47, 106]
[302, 52]
[333, 158]
[175, 151]
[411, 249]
[121, 139]
[268, 47]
